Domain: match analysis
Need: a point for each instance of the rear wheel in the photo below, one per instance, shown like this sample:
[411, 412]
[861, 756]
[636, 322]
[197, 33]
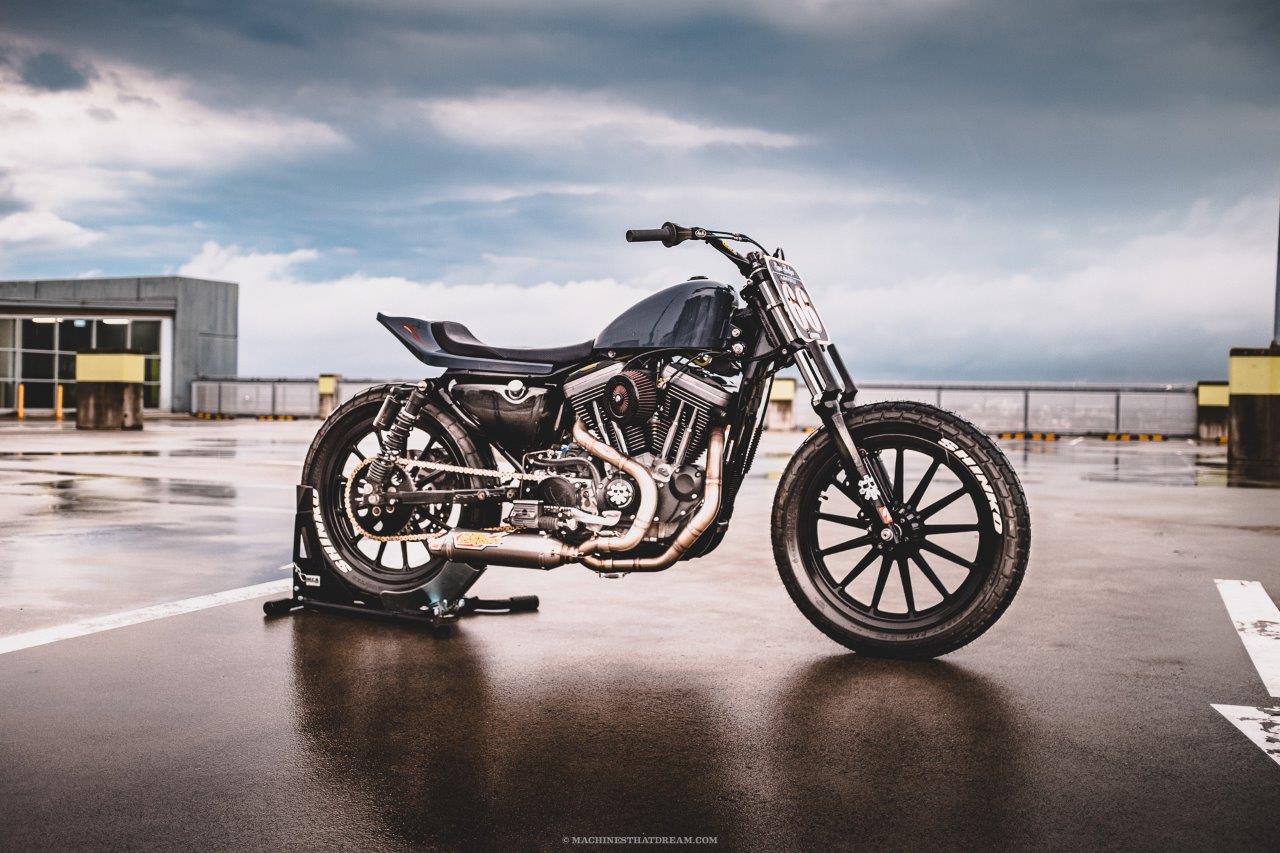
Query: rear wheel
[333, 468]
[964, 538]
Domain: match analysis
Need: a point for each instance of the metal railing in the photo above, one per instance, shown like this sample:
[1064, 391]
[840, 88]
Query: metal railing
[1058, 408]
[1061, 408]
[243, 397]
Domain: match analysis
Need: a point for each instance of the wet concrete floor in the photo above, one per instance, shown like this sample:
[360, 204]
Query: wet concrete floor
[697, 702]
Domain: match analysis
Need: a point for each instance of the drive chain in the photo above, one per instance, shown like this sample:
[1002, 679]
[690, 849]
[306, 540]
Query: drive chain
[434, 466]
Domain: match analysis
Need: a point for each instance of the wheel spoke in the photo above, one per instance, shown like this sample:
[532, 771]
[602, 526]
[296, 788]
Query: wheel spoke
[930, 529]
[858, 569]
[404, 554]
[359, 455]
[856, 542]
[378, 434]
[382, 549]
[905, 574]
[885, 565]
[844, 519]
[434, 524]
[898, 475]
[946, 555]
[927, 571]
[942, 504]
[924, 483]
[848, 491]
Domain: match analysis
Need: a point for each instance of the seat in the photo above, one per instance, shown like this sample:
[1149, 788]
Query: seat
[456, 339]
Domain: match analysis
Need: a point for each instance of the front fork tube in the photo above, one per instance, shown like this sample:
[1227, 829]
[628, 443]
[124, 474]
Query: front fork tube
[865, 473]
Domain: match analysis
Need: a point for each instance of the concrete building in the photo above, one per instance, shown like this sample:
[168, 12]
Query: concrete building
[185, 326]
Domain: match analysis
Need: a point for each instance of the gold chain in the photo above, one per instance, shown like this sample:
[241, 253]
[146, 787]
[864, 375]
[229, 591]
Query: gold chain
[422, 463]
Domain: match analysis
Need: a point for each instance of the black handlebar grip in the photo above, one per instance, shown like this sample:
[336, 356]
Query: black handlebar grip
[670, 234]
[646, 235]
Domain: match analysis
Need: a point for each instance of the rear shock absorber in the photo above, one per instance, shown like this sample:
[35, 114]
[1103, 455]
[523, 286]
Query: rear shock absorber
[393, 446]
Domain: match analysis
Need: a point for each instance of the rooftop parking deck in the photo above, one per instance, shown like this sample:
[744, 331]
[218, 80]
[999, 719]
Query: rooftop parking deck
[695, 702]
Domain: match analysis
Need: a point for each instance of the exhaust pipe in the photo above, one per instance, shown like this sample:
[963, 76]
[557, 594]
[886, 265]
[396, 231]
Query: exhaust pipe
[536, 551]
[690, 533]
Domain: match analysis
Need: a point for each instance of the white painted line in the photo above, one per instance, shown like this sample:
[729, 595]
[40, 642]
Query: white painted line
[42, 636]
[1073, 442]
[1260, 725]
[1257, 622]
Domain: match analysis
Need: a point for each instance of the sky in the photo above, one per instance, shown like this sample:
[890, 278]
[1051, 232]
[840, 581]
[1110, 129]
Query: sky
[973, 189]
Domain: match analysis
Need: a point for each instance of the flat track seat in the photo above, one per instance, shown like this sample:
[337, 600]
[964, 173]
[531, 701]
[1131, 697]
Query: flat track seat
[456, 339]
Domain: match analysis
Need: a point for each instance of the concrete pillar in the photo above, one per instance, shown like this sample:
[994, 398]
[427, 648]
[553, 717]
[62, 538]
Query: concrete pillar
[328, 393]
[1254, 420]
[109, 390]
[780, 415]
[1212, 406]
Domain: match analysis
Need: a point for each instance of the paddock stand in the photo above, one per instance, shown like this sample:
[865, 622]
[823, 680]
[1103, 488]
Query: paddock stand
[436, 605]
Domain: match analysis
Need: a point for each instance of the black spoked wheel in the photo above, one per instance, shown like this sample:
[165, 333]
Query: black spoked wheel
[335, 466]
[961, 548]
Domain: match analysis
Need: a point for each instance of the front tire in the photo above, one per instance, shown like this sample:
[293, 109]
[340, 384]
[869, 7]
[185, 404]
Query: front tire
[965, 543]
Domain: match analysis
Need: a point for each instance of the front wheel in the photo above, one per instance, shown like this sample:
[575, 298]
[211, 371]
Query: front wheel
[965, 534]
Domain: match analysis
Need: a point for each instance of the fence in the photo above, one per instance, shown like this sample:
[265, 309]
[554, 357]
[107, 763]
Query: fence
[1059, 408]
[249, 397]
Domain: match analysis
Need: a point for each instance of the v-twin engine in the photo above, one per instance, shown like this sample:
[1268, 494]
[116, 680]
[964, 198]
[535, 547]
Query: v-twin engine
[674, 431]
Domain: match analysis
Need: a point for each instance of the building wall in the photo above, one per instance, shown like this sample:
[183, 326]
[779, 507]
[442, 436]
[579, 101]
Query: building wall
[204, 313]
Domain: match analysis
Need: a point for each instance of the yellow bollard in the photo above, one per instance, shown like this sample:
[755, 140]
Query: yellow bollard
[57, 402]
[22, 401]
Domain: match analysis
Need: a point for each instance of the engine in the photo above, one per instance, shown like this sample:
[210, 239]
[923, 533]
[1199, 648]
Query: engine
[661, 420]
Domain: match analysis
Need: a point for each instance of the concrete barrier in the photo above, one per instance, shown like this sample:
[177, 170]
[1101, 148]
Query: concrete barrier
[1254, 409]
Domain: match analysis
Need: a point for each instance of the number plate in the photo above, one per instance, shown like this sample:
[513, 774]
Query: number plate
[795, 298]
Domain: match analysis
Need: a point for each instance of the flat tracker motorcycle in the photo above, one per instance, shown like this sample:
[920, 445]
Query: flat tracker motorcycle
[899, 529]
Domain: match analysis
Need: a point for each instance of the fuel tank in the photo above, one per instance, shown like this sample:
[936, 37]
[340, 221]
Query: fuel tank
[692, 315]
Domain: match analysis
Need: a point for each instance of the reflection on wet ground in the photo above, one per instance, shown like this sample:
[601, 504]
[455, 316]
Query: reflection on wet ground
[693, 702]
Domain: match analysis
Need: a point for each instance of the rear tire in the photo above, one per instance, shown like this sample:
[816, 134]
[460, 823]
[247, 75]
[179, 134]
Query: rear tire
[942, 607]
[338, 444]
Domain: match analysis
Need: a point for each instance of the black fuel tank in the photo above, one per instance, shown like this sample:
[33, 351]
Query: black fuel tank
[693, 315]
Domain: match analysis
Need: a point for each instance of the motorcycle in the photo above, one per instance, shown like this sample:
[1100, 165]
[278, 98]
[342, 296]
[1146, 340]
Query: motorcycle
[899, 529]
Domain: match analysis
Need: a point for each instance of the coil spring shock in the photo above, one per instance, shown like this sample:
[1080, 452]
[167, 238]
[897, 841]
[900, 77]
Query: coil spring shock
[397, 437]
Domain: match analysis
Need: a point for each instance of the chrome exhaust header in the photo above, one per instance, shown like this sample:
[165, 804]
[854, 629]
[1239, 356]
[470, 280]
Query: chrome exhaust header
[539, 551]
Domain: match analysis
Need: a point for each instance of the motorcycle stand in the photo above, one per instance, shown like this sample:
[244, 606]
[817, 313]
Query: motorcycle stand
[436, 605]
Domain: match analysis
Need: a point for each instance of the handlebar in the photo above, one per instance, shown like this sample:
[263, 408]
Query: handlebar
[668, 235]
[671, 234]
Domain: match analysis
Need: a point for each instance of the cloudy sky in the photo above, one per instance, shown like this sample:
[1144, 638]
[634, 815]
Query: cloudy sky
[975, 189]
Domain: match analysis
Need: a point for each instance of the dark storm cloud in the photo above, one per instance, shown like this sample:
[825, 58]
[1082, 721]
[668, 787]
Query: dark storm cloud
[54, 72]
[1007, 138]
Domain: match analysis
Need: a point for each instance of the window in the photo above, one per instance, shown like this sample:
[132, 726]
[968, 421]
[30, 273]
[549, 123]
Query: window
[111, 335]
[39, 395]
[38, 334]
[144, 336]
[37, 365]
[47, 356]
[74, 335]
